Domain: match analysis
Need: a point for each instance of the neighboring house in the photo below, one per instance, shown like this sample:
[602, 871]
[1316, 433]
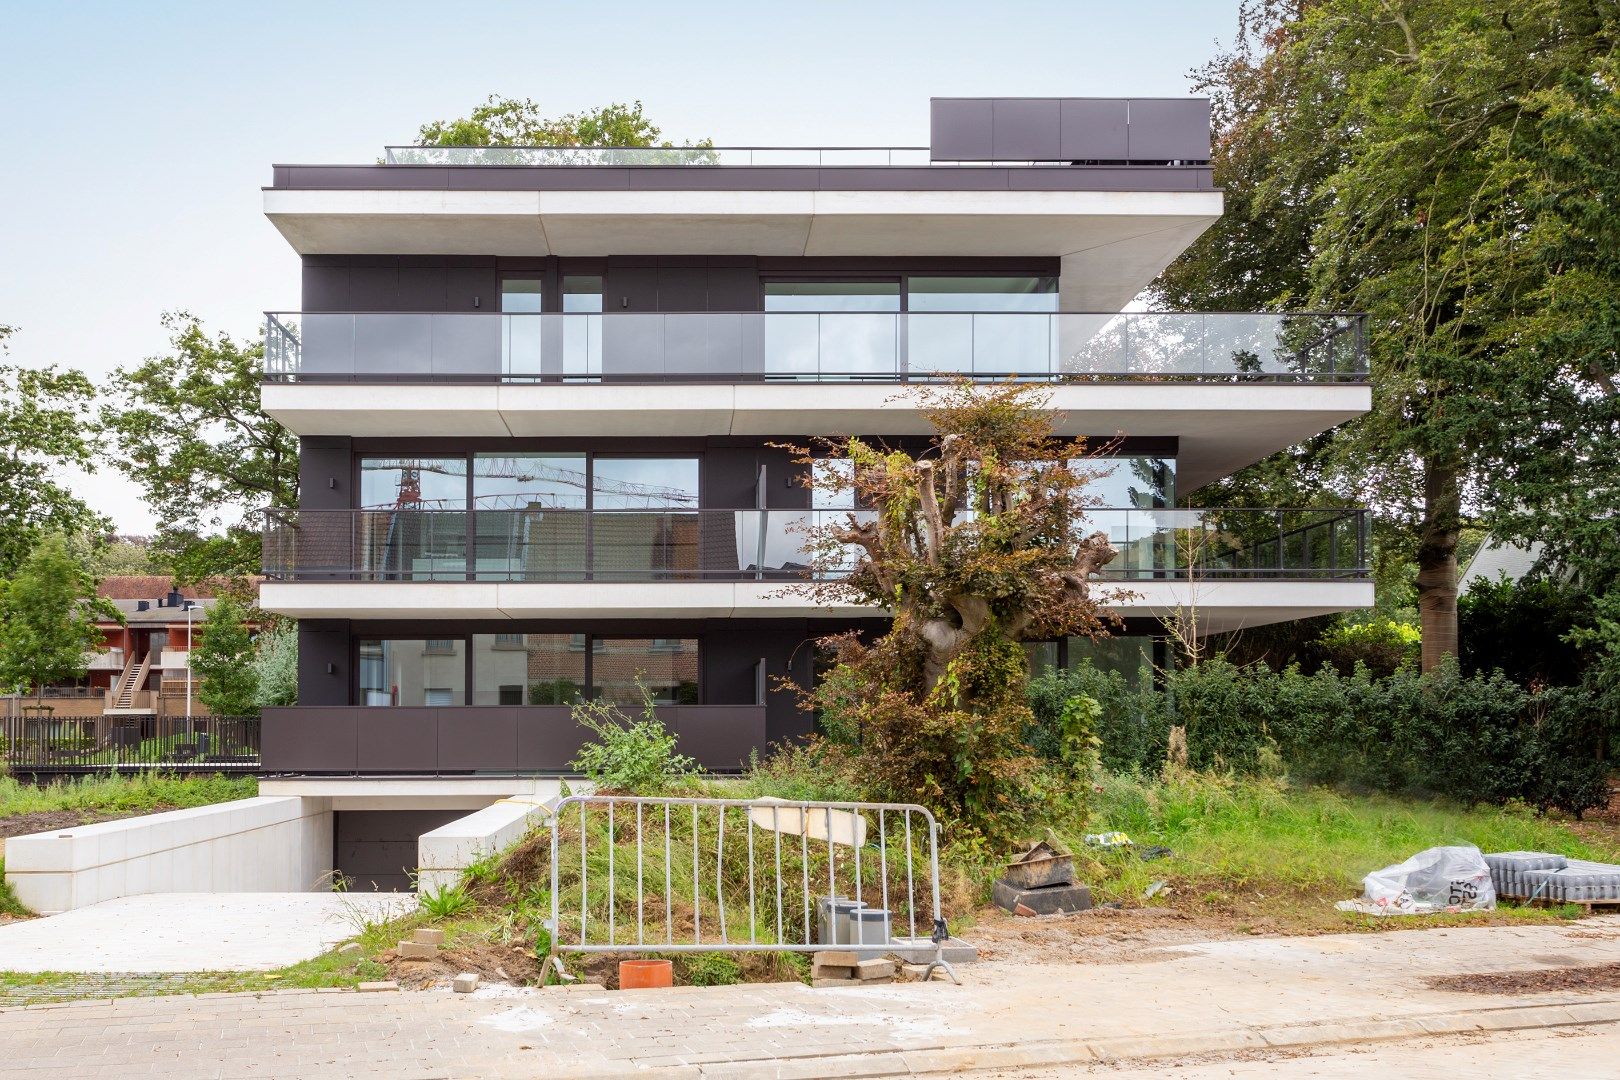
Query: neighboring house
[140, 669]
[1496, 559]
[537, 392]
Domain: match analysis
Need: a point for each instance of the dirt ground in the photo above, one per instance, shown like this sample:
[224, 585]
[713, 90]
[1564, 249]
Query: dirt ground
[1580, 977]
[47, 820]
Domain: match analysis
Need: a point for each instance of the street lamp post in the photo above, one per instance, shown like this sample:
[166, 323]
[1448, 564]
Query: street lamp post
[190, 606]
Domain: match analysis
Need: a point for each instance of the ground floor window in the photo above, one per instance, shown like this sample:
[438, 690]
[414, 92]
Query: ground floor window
[1137, 657]
[412, 671]
[527, 669]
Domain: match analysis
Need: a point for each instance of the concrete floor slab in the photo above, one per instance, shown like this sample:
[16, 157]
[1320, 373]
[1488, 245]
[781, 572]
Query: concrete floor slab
[166, 932]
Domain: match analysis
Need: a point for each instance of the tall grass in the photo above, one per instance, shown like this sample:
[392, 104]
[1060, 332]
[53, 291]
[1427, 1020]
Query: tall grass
[142, 791]
[1263, 834]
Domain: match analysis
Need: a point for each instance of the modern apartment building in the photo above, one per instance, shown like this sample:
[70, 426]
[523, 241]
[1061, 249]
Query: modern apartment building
[537, 392]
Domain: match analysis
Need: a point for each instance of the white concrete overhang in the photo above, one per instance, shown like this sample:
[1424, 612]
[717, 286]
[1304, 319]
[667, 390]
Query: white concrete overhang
[1221, 605]
[1222, 426]
[1113, 242]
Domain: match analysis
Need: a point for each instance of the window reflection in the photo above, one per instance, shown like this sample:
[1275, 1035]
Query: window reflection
[994, 293]
[527, 669]
[667, 667]
[413, 483]
[405, 671]
[644, 483]
[832, 295]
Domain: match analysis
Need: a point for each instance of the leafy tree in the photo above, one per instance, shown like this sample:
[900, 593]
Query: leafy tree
[190, 432]
[1446, 167]
[48, 614]
[276, 666]
[223, 658]
[46, 423]
[125, 555]
[974, 547]
[501, 121]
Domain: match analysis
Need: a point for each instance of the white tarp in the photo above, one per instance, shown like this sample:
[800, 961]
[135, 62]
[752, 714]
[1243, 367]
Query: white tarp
[1439, 879]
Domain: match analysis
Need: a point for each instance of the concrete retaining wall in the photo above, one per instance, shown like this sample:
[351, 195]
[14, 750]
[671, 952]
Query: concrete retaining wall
[263, 844]
[444, 854]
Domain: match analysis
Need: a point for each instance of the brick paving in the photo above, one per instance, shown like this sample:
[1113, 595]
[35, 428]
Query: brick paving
[1224, 995]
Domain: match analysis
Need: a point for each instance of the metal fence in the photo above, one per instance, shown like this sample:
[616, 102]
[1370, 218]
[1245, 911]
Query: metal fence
[37, 741]
[671, 875]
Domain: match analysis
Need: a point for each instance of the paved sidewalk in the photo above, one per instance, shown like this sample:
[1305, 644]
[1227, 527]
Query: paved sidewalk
[159, 932]
[1231, 996]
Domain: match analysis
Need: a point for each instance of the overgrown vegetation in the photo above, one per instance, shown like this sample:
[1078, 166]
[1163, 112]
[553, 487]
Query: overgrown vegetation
[121, 794]
[633, 756]
[1478, 739]
[974, 547]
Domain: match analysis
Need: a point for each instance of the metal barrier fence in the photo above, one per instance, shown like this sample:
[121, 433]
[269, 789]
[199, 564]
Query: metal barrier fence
[38, 741]
[672, 875]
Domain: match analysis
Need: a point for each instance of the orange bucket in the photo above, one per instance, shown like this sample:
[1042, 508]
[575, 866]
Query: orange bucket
[645, 974]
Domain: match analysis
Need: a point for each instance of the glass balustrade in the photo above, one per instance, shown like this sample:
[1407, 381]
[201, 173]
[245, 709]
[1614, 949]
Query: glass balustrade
[809, 346]
[560, 545]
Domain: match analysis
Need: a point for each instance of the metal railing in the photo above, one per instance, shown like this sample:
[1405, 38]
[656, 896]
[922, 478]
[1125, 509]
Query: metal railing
[563, 545]
[691, 892]
[791, 346]
[34, 741]
[636, 156]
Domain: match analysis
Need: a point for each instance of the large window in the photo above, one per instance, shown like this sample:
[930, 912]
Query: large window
[667, 667]
[412, 671]
[962, 293]
[644, 483]
[527, 669]
[1139, 482]
[832, 295]
[413, 483]
[1131, 655]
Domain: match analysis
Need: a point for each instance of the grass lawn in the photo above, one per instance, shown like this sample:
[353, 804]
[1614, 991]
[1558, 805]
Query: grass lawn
[1280, 856]
[121, 795]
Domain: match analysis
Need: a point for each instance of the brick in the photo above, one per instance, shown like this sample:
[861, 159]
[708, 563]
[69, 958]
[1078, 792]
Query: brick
[377, 987]
[820, 983]
[838, 957]
[415, 950]
[867, 970]
[465, 983]
[425, 936]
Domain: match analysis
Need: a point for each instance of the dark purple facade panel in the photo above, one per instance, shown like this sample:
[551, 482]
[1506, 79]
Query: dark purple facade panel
[959, 129]
[717, 736]
[547, 739]
[398, 739]
[1024, 129]
[1093, 129]
[303, 739]
[478, 739]
[1169, 129]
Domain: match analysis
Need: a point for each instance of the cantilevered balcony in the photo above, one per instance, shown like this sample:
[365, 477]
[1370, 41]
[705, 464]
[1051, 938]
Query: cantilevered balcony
[1253, 565]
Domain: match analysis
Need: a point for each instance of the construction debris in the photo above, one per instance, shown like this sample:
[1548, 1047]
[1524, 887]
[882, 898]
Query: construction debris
[846, 968]
[1040, 881]
[1439, 879]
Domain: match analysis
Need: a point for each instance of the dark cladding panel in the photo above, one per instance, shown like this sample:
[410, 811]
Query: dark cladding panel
[323, 664]
[1024, 129]
[547, 738]
[959, 129]
[306, 740]
[478, 738]
[1092, 129]
[326, 286]
[398, 739]
[323, 472]
[1169, 129]
[377, 850]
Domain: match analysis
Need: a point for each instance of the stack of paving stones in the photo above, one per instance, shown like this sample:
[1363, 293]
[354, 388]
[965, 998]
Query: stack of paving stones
[1508, 869]
[844, 967]
[422, 945]
[1539, 875]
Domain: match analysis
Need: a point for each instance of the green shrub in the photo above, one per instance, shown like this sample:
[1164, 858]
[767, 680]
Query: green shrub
[1383, 645]
[712, 969]
[1131, 724]
[632, 756]
[1226, 711]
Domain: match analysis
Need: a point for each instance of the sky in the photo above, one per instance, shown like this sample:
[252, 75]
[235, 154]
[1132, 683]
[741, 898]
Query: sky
[139, 135]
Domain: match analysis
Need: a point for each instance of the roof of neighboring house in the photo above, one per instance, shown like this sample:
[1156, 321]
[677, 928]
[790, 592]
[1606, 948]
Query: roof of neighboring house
[1495, 558]
[154, 614]
[150, 587]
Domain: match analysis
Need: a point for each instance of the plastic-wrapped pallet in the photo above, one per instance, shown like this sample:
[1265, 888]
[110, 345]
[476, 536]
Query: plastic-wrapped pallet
[1583, 882]
[1508, 869]
[1439, 879]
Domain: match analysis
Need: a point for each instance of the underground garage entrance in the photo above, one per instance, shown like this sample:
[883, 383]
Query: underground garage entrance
[376, 850]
